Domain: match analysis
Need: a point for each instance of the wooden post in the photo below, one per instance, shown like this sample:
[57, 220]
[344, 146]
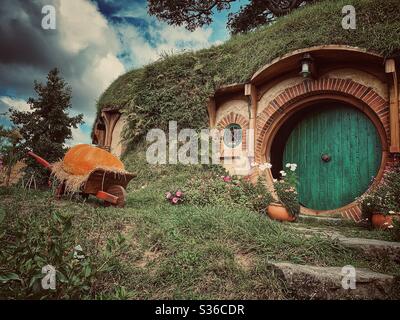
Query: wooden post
[390, 68]
[251, 91]
[110, 120]
[212, 112]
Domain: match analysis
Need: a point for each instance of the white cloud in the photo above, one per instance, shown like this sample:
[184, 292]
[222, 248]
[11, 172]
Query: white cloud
[164, 39]
[87, 37]
[85, 47]
[82, 26]
[78, 136]
[15, 103]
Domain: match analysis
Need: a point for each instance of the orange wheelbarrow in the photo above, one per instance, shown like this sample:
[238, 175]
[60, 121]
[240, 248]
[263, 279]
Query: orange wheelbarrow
[104, 185]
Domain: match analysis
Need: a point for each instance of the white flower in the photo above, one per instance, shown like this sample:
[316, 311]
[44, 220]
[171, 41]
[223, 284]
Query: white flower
[283, 173]
[391, 212]
[265, 166]
[293, 167]
[275, 180]
[368, 204]
[390, 227]
[288, 165]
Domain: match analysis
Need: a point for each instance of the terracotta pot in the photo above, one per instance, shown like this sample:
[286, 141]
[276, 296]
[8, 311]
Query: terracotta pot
[278, 212]
[380, 221]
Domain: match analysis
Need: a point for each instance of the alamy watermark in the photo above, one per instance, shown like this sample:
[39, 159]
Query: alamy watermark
[49, 279]
[49, 21]
[189, 146]
[349, 21]
[349, 277]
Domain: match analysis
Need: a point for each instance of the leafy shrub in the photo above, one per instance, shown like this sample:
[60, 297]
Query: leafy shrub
[26, 246]
[286, 190]
[396, 229]
[212, 189]
[385, 198]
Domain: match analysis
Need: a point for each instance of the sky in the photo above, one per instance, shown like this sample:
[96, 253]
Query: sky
[94, 42]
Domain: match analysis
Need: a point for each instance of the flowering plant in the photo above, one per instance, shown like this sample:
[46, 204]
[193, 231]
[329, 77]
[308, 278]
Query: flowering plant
[174, 197]
[226, 178]
[221, 189]
[285, 187]
[385, 198]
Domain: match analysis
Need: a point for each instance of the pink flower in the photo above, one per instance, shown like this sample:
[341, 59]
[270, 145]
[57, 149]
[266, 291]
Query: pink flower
[168, 195]
[175, 200]
[227, 179]
[179, 194]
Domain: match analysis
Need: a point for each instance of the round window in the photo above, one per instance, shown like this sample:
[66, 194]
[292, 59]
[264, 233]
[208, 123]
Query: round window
[233, 135]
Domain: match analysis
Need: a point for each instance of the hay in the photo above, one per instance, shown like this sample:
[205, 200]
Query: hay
[74, 183]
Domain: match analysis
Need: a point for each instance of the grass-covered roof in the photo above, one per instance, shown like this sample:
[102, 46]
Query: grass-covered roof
[177, 87]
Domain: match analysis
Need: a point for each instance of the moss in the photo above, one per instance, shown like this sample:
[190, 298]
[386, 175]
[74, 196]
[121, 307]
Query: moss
[177, 87]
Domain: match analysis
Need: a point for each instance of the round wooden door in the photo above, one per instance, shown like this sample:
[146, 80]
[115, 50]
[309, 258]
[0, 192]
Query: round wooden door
[338, 152]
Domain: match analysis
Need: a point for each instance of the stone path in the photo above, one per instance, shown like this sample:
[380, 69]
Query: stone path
[314, 282]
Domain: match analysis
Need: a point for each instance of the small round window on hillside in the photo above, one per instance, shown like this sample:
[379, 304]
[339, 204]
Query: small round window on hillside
[233, 135]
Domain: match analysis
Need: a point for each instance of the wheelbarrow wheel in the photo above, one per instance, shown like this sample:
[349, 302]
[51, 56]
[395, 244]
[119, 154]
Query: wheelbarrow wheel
[119, 192]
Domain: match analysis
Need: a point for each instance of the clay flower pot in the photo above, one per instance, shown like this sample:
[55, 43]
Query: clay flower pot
[380, 221]
[278, 212]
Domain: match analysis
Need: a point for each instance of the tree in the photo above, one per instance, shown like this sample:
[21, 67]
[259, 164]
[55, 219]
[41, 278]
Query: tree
[198, 13]
[47, 125]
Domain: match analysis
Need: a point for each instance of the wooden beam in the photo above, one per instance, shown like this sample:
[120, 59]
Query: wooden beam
[390, 68]
[250, 90]
[212, 112]
[110, 120]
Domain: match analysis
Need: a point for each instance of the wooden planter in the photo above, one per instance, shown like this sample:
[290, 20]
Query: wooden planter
[278, 212]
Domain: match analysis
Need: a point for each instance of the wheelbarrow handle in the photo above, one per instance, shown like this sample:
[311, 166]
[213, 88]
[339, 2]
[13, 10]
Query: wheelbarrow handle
[40, 160]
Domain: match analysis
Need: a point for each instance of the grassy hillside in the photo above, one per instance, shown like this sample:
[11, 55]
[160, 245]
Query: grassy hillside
[154, 250]
[177, 87]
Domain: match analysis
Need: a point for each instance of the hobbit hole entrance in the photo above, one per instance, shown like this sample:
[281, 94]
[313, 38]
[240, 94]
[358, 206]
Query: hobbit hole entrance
[337, 149]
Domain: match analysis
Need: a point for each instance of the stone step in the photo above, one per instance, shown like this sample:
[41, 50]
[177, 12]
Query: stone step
[334, 221]
[313, 282]
[311, 231]
[371, 247]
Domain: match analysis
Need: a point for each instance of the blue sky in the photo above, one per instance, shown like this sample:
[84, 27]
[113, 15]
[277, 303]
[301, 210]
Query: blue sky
[95, 42]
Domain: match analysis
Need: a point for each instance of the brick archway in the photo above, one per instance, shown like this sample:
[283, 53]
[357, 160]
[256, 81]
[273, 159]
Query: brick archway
[240, 120]
[365, 98]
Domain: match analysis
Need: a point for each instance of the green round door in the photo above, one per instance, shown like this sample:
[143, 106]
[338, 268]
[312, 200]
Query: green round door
[338, 152]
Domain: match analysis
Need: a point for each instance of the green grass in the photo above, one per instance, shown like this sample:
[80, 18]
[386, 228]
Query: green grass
[350, 229]
[181, 252]
[177, 86]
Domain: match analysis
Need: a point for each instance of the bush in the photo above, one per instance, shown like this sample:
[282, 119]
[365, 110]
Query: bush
[396, 229]
[286, 190]
[385, 198]
[29, 245]
[212, 189]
